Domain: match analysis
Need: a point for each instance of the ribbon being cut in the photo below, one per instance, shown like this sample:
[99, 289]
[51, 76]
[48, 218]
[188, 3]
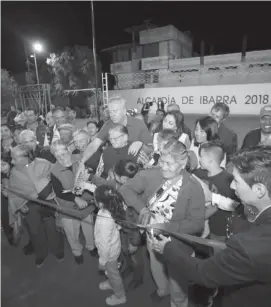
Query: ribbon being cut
[76, 214]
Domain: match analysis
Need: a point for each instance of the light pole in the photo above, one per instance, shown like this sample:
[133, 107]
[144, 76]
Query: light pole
[95, 58]
[37, 47]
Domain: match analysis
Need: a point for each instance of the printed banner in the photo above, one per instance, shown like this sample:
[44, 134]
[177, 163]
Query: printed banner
[243, 99]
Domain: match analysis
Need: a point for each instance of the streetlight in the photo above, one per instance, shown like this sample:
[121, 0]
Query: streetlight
[37, 47]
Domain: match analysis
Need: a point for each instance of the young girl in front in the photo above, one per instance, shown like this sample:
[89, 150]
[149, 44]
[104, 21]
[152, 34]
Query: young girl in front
[107, 240]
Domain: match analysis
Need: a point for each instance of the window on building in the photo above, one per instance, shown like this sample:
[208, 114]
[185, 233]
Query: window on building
[259, 65]
[151, 76]
[123, 55]
[214, 68]
[151, 50]
[230, 67]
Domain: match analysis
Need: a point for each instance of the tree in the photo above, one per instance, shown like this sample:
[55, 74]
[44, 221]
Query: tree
[9, 90]
[73, 69]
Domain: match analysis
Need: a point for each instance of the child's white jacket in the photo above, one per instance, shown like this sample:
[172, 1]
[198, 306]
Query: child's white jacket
[107, 237]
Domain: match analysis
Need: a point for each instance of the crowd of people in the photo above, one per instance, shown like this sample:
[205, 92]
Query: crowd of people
[134, 181]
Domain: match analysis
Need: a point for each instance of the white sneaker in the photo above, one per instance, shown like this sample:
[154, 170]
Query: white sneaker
[113, 300]
[105, 285]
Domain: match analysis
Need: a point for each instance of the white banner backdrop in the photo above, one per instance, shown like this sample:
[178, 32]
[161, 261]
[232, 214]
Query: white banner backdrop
[243, 99]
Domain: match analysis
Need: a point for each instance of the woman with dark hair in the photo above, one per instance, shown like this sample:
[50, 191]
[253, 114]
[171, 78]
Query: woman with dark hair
[206, 130]
[174, 120]
[31, 176]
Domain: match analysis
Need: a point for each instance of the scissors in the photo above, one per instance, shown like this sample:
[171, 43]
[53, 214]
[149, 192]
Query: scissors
[67, 191]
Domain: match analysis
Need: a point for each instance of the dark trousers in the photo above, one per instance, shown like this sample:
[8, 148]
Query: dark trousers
[43, 233]
[8, 230]
[132, 263]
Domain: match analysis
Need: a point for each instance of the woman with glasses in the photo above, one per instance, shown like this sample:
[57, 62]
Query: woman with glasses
[118, 138]
[172, 199]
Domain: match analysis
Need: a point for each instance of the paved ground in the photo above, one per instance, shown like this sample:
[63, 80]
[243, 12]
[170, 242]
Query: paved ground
[58, 284]
[67, 284]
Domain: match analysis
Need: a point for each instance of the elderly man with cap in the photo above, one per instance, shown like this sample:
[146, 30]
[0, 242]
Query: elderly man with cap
[66, 136]
[261, 135]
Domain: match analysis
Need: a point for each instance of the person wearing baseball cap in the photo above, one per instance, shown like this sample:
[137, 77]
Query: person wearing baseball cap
[262, 135]
[66, 131]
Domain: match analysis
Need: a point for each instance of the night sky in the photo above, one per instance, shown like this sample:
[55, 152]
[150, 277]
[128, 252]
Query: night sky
[59, 24]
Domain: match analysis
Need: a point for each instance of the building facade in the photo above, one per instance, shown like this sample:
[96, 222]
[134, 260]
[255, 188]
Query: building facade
[163, 57]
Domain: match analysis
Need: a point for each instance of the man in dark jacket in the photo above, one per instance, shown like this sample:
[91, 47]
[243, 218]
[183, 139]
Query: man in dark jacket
[33, 124]
[28, 138]
[243, 268]
[261, 135]
[220, 111]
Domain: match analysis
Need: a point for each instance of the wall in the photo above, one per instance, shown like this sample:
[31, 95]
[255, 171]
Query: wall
[154, 63]
[222, 59]
[163, 34]
[121, 67]
[169, 79]
[244, 99]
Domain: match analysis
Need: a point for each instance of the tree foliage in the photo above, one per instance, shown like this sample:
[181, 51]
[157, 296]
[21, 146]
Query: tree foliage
[9, 87]
[9, 90]
[73, 69]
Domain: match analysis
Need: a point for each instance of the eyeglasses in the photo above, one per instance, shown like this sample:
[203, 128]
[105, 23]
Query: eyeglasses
[167, 164]
[115, 139]
[171, 165]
